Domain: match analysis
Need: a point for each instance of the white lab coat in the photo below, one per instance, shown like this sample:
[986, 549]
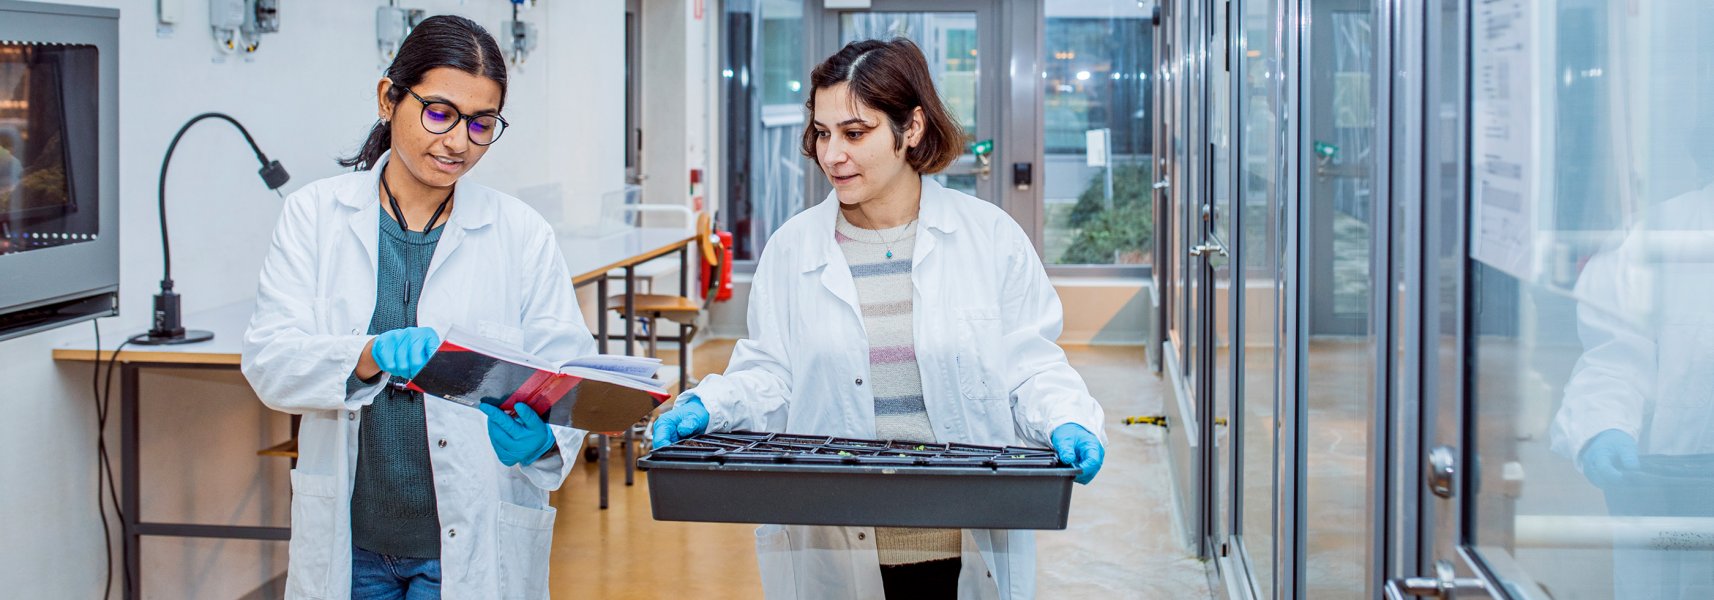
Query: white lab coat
[498, 271]
[1646, 319]
[1645, 315]
[985, 319]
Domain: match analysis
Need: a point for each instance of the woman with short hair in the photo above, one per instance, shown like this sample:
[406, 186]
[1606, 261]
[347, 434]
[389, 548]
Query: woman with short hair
[896, 309]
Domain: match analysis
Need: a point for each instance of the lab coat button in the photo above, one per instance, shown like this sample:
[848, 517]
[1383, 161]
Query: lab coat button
[862, 536]
[452, 533]
[351, 415]
[443, 443]
[859, 381]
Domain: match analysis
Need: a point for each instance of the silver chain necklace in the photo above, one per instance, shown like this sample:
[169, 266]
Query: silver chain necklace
[884, 242]
[888, 244]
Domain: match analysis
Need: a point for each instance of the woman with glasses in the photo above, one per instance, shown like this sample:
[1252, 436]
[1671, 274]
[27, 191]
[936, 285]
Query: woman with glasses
[395, 495]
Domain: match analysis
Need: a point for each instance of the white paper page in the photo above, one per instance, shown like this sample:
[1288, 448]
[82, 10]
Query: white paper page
[1503, 130]
[616, 378]
[635, 366]
[472, 340]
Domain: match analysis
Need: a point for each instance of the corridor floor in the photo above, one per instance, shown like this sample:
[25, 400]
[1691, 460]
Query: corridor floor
[1122, 540]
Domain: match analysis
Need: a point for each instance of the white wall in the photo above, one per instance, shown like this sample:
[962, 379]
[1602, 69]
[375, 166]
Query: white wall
[677, 87]
[307, 97]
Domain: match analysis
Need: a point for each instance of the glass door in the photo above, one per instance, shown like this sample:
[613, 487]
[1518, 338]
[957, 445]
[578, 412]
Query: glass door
[1580, 461]
[1256, 230]
[1338, 398]
[1187, 252]
[1225, 335]
[961, 42]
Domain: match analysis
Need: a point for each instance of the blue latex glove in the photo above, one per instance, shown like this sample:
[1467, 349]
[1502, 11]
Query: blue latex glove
[517, 440]
[687, 418]
[1607, 456]
[403, 352]
[1077, 447]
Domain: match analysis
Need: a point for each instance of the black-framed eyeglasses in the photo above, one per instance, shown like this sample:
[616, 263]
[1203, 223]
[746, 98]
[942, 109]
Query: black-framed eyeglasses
[440, 117]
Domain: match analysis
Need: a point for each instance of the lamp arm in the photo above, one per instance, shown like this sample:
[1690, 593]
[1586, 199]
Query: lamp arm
[166, 249]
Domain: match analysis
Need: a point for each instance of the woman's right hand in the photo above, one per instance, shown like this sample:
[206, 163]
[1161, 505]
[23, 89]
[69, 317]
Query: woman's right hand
[403, 352]
[687, 418]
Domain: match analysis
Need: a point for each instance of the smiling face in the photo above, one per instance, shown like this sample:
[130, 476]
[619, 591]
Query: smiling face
[858, 149]
[439, 160]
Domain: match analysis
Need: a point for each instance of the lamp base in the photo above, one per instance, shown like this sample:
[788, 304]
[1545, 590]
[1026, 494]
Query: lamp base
[190, 336]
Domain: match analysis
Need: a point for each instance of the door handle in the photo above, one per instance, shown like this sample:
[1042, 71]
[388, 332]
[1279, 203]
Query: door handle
[1162, 184]
[1447, 585]
[1201, 249]
[1442, 470]
[983, 167]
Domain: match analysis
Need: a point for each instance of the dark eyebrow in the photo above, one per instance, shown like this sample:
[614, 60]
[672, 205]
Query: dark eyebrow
[850, 121]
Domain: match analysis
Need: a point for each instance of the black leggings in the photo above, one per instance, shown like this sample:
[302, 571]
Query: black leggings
[932, 579]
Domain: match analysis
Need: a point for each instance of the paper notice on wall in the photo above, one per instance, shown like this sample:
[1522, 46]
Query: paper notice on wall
[1095, 147]
[1502, 133]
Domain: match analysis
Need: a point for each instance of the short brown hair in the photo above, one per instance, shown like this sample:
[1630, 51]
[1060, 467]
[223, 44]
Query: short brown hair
[892, 77]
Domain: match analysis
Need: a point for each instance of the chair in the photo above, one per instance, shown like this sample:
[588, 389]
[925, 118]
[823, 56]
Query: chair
[652, 311]
[649, 310]
[288, 448]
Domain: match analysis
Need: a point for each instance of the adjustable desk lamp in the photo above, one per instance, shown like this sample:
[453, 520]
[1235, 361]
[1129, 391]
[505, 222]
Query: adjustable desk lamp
[167, 328]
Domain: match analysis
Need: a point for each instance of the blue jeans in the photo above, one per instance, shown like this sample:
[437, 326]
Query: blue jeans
[381, 577]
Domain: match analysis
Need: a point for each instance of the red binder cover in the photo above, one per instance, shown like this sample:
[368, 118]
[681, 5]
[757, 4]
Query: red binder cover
[595, 401]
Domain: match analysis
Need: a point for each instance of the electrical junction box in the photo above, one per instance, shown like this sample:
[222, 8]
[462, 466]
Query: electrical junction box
[265, 17]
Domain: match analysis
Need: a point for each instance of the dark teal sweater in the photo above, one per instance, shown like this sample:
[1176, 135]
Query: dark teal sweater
[392, 503]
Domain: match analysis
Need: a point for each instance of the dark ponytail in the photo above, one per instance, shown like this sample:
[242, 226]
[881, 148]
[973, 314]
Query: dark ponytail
[439, 41]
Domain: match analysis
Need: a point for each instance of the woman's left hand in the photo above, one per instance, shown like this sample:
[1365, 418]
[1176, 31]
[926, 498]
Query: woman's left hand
[1079, 448]
[520, 440]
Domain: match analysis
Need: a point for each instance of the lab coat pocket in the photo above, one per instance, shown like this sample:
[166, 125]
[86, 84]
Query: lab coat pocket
[774, 557]
[978, 353]
[525, 538]
[511, 336]
[310, 552]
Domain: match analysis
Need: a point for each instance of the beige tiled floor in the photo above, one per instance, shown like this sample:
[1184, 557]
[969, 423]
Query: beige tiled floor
[1121, 541]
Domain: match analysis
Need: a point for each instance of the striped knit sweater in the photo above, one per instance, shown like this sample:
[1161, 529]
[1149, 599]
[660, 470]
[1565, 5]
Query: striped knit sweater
[884, 292]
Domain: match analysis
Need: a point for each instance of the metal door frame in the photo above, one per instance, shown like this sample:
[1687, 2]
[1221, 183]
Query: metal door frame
[1234, 555]
[1393, 316]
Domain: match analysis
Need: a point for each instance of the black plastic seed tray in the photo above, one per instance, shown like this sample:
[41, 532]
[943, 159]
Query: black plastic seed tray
[744, 477]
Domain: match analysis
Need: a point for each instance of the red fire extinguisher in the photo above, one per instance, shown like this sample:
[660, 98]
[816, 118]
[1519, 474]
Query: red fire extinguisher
[717, 278]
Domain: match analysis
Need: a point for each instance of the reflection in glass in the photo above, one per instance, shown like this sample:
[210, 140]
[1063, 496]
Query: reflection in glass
[1224, 282]
[1338, 161]
[1594, 330]
[948, 41]
[762, 101]
[47, 146]
[1259, 181]
[1097, 56]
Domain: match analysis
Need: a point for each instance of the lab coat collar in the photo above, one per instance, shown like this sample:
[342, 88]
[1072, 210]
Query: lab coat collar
[936, 213]
[472, 209]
